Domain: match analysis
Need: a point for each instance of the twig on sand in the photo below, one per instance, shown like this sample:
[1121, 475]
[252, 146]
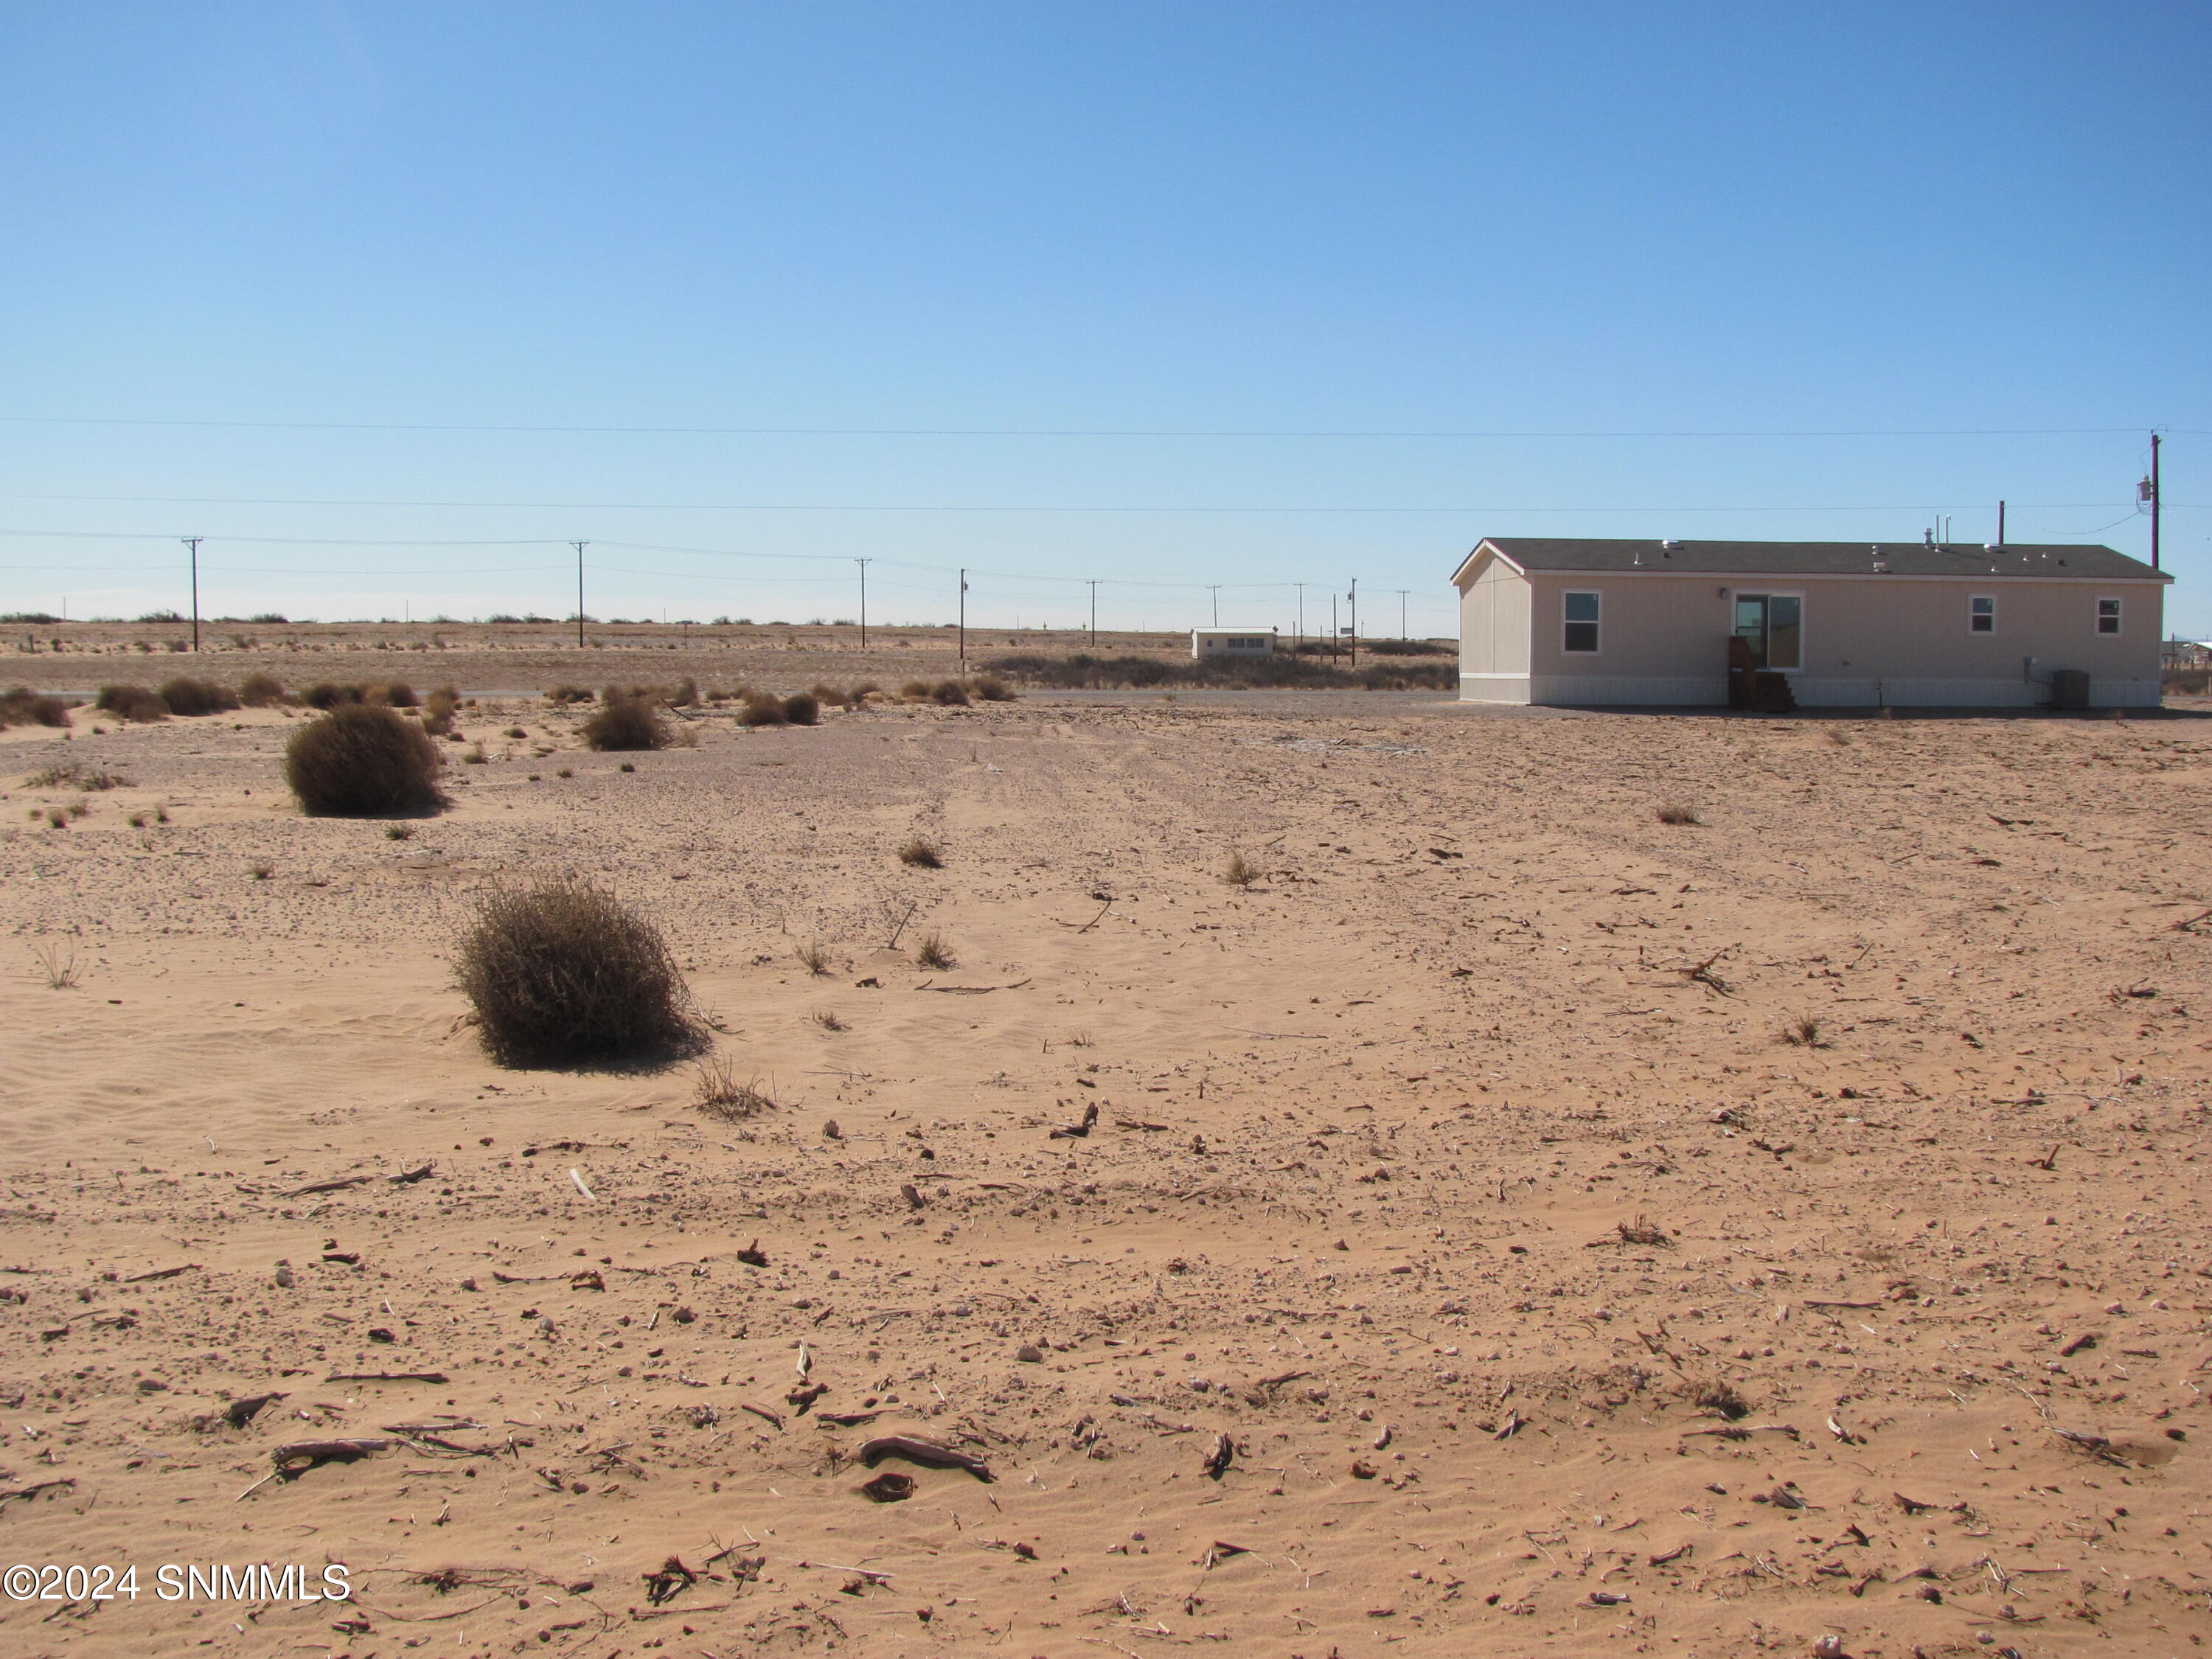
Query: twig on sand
[923, 1452]
[44, 1485]
[337, 1186]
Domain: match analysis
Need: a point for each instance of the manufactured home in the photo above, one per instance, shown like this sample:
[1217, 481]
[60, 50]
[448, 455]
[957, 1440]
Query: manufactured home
[1820, 625]
[1232, 642]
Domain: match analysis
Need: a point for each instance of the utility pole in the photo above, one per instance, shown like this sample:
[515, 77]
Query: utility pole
[580, 547]
[1301, 587]
[1355, 622]
[193, 542]
[963, 619]
[863, 563]
[2152, 491]
[1093, 580]
[2001, 524]
[1401, 612]
[1335, 633]
[1215, 589]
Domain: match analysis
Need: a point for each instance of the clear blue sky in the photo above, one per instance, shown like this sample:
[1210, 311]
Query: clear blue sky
[1127, 218]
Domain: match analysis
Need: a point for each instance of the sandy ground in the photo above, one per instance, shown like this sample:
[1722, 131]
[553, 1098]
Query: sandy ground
[1436, 1178]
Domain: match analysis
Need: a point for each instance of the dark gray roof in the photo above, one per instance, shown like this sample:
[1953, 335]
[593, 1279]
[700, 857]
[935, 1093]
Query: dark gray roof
[1961, 559]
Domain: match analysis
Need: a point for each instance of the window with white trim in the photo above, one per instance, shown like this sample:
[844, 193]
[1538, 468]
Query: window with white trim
[2108, 616]
[1580, 616]
[1981, 614]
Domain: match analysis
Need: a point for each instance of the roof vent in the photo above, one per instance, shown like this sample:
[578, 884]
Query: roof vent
[1995, 547]
[1670, 543]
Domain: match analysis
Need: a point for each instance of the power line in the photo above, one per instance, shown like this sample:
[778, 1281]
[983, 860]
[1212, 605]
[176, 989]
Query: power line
[1461, 508]
[1077, 431]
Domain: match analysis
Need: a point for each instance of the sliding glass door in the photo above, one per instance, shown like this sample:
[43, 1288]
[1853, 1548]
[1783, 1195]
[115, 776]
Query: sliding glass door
[1772, 626]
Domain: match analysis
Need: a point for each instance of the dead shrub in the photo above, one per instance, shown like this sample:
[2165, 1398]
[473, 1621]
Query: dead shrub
[991, 689]
[398, 694]
[686, 693]
[812, 957]
[326, 695]
[1640, 1231]
[625, 722]
[259, 690]
[564, 973]
[1239, 871]
[921, 853]
[761, 709]
[439, 710]
[1718, 1396]
[1675, 813]
[827, 1019]
[75, 775]
[24, 706]
[190, 696]
[914, 691]
[568, 694]
[830, 696]
[716, 1090]
[803, 708]
[931, 951]
[132, 702]
[950, 694]
[1803, 1032]
[357, 762]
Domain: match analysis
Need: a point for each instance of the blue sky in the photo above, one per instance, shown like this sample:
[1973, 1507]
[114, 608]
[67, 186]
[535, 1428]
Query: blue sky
[888, 224]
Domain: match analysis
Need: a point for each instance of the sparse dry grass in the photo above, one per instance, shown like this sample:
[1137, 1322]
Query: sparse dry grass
[75, 775]
[828, 1020]
[717, 1091]
[58, 964]
[565, 974]
[814, 959]
[1640, 1231]
[1239, 871]
[931, 951]
[1803, 1032]
[1675, 813]
[921, 853]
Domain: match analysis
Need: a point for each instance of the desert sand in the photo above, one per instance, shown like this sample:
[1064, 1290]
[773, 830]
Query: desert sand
[1511, 1225]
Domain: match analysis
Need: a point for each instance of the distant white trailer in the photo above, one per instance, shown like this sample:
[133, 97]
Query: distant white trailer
[1231, 642]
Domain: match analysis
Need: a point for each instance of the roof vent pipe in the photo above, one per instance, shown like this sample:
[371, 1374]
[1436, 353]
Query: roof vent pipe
[1670, 543]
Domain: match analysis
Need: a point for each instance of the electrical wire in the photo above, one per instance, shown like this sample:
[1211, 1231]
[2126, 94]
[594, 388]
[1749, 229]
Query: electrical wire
[1068, 432]
[1107, 508]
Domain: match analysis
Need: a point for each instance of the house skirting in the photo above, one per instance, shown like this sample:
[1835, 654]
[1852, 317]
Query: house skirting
[1698, 691]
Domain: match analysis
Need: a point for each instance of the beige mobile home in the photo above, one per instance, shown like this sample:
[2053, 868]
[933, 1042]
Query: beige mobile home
[1846, 624]
[1232, 642]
